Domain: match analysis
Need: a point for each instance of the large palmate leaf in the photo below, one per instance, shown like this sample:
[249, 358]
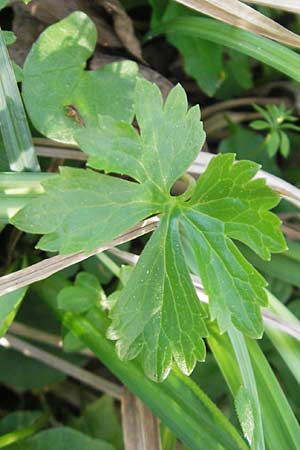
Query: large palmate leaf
[158, 315]
[60, 96]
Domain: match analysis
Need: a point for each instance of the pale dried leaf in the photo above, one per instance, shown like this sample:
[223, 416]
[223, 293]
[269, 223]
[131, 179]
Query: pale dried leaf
[123, 26]
[140, 426]
[285, 5]
[243, 16]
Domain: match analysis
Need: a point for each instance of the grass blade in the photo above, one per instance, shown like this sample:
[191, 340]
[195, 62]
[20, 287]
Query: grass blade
[14, 128]
[280, 425]
[258, 47]
[241, 352]
[287, 347]
[182, 406]
[240, 15]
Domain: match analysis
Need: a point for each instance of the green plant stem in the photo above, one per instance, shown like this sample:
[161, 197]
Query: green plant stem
[23, 433]
[109, 263]
[23, 180]
[190, 182]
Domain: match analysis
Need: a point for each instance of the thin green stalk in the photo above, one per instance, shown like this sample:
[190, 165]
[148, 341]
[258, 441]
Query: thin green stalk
[109, 263]
[190, 182]
[27, 180]
[22, 433]
[242, 355]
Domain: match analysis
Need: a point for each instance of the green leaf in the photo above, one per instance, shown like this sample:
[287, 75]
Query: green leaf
[225, 206]
[56, 64]
[9, 305]
[18, 426]
[237, 72]
[108, 206]
[85, 294]
[281, 429]
[80, 210]
[4, 3]
[259, 47]
[18, 419]
[259, 125]
[287, 346]
[23, 373]
[179, 402]
[284, 267]
[170, 139]
[249, 382]
[272, 143]
[248, 144]
[284, 144]
[100, 421]
[9, 37]
[150, 156]
[168, 323]
[61, 439]
[202, 61]
[245, 411]
[14, 128]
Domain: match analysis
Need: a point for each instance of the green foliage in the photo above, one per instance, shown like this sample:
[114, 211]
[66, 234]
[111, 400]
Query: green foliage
[248, 144]
[16, 420]
[18, 426]
[167, 325]
[277, 119]
[9, 305]
[60, 439]
[111, 206]
[179, 402]
[14, 129]
[279, 423]
[23, 373]
[214, 68]
[77, 95]
[3, 3]
[269, 52]
[245, 412]
[85, 294]
[100, 421]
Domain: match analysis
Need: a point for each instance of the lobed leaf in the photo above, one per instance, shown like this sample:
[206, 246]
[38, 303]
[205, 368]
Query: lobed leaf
[158, 315]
